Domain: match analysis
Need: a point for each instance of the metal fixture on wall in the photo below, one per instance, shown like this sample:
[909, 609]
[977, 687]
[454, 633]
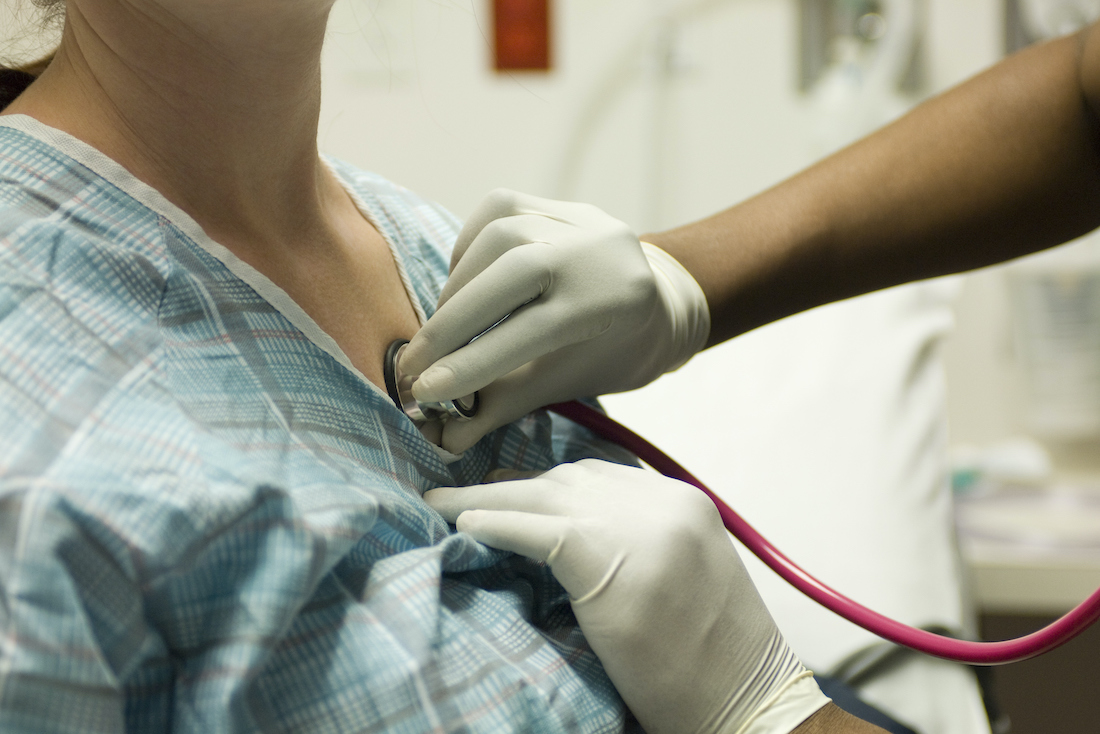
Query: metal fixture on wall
[1028, 21]
[822, 23]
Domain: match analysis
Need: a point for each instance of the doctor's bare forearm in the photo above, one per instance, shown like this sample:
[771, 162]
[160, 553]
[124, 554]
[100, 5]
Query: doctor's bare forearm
[1006, 164]
[833, 720]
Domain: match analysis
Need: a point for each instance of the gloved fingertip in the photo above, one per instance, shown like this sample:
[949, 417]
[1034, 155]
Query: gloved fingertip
[441, 501]
[436, 383]
[458, 436]
[415, 358]
[459, 444]
[467, 521]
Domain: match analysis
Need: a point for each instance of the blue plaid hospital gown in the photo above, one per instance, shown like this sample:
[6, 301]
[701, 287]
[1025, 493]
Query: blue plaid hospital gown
[210, 522]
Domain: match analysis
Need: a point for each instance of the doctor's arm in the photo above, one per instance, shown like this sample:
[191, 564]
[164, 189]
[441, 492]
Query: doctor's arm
[660, 594]
[1006, 164]
[834, 720]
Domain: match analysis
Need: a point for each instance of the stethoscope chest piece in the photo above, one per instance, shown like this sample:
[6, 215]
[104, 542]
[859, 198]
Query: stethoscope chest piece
[399, 386]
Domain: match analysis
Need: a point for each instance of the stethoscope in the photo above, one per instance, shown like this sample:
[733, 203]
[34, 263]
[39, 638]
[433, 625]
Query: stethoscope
[399, 386]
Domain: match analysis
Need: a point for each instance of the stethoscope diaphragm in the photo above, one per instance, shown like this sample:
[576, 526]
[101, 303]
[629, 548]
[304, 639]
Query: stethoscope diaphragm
[399, 386]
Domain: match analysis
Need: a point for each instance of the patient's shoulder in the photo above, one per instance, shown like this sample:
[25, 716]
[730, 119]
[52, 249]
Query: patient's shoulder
[74, 262]
[64, 224]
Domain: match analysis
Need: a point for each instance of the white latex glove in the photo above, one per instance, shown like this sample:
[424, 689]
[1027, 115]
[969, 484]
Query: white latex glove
[658, 590]
[598, 312]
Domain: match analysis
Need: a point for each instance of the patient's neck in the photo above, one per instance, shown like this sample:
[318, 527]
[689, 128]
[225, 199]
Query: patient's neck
[215, 103]
[212, 102]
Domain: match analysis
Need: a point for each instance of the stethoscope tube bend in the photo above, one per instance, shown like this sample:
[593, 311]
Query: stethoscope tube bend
[399, 386]
[964, 651]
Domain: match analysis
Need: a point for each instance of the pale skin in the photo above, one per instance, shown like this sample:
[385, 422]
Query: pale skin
[215, 104]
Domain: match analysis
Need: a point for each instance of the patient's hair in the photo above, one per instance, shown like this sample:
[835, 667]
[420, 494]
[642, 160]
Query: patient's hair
[15, 79]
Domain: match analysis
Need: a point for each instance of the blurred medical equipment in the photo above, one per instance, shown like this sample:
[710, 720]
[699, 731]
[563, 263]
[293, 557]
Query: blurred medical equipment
[1055, 308]
[864, 24]
[656, 57]
[870, 73]
[887, 33]
[1027, 21]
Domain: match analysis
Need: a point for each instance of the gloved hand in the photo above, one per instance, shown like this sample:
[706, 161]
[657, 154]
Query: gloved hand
[658, 590]
[593, 311]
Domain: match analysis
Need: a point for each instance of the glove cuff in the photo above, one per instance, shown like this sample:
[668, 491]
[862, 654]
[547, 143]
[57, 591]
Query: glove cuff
[685, 303]
[774, 698]
[799, 699]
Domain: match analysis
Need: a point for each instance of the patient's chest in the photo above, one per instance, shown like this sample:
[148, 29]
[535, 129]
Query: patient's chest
[347, 282]
[222, 523]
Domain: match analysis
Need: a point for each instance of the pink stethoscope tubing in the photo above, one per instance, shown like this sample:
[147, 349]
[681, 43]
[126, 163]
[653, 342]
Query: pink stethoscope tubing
[964, 651]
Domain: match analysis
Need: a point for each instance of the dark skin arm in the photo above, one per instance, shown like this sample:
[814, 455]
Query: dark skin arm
[832, 719]
[1006, 164]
